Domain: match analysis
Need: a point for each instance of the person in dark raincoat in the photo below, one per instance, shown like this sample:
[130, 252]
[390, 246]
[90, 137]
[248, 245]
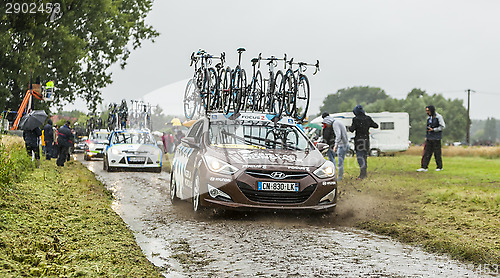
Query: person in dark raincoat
[49, 139]
[433, 136]
[361, 124]
[31, 138]
[65, 140]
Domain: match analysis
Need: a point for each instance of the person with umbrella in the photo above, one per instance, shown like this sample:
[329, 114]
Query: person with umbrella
[30, 124]
[31, 138]
[65, 139]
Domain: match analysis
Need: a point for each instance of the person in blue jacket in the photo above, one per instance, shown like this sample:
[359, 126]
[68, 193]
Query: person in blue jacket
[361, 124]
[433, 136]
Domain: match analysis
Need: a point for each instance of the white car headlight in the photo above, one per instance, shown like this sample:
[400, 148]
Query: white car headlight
[116, 151]
[218, 166]
[327, 170]
[91, 145]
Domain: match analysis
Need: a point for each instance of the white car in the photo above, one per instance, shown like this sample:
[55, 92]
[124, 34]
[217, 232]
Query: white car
[96, 144]
[132, 149]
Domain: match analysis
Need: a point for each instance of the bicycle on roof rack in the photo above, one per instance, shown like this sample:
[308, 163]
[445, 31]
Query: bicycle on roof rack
[295, 90]
[268, 99]
[202, 87]
[237, 86]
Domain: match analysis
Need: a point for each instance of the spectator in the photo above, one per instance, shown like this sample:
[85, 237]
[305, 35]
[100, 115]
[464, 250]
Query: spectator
[164, 140]
[170, 143]
[340, 142]
[178, 136]
[433, 136]
[361, 124]
[31, 141]
[65, 140]
[49, 139]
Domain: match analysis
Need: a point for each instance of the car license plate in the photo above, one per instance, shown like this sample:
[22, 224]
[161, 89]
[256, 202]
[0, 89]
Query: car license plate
[136, 159]
[278, 186]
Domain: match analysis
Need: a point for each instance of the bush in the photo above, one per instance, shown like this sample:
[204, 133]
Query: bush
[13, 160]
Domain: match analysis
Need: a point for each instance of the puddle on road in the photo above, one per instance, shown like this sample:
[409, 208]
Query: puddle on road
[257, 244]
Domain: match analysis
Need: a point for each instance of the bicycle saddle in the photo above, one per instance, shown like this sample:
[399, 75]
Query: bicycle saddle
[255, 60]
[241, 49]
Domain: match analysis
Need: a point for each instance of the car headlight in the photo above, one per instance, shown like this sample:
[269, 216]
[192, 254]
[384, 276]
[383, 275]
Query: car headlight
[115, 151]
[91, 145]
[218, 166]
[327, 170]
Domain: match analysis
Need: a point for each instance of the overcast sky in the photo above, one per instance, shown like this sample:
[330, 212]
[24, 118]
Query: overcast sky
[438, 46]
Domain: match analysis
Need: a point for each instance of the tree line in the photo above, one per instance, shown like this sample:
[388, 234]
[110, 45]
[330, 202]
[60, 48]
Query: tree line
[375, 100]
[73, 45]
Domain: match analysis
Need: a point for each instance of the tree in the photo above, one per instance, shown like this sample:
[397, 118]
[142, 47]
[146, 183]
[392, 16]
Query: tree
[74, 46]
[345, 99]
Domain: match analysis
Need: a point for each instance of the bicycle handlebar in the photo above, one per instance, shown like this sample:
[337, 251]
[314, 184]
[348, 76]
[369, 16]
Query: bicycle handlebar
[304, 64]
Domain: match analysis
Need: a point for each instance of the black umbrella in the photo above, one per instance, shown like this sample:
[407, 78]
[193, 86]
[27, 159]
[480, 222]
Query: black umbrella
[32, 120]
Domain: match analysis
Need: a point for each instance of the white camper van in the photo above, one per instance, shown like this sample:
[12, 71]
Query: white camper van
[392, 135]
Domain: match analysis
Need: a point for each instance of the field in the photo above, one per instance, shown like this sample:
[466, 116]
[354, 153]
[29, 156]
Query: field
[456, 211]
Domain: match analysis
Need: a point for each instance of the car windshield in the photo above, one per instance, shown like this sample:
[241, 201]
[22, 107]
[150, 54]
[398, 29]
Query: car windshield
[100, 136]
[257, 136]
[132, 138]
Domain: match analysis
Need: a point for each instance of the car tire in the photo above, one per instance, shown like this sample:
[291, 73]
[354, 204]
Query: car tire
[197, 208]
[173, 189]
[374, 152]
[104, 164]
[157, 170]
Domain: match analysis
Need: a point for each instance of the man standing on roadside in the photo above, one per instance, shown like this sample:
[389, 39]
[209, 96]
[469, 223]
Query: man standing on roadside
[65, 139]
[361, 124]
[433, 136]
[49, 139]
[340, 143]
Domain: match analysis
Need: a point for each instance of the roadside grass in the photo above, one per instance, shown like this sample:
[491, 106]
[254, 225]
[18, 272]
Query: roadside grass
[59, 222]
[456, 211]
[465, 151]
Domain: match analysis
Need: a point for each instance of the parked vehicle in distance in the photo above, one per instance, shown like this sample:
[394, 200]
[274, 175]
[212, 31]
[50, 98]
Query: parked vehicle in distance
[250, 162]
[96, 144]
[132, 149]
[392, 135]
[80, 144]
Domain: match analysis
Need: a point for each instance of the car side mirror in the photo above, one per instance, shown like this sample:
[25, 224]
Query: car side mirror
[322, 146]
[190, 142]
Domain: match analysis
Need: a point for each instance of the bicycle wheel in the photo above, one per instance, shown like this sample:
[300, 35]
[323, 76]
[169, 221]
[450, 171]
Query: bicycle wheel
[277, 95]
[212, 90]
[225, 84]
[190, 96]
[288, 92]
[302, 97]
[257, 92]
[237, 85]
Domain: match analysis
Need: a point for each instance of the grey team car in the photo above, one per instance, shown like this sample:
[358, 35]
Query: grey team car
[251, 162]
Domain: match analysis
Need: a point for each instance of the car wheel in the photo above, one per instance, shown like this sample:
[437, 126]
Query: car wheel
[157, 170]
[374, 152]
[196, 194]
[173, 190]
[104, 164]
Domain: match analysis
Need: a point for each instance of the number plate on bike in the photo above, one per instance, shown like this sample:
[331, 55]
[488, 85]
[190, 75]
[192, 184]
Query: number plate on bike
[278, 186]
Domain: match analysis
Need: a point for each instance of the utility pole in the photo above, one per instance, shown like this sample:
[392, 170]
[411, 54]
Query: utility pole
[467, 137]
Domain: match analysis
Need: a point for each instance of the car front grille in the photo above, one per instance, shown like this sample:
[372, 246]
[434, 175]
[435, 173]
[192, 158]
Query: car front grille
[276, 197]
[268, 174]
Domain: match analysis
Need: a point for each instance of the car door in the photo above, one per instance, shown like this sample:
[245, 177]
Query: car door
[185, 160]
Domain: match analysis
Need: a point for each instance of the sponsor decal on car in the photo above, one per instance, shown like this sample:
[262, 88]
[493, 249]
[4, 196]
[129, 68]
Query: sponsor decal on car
[220, 179]
[329, 183]
[299, 168]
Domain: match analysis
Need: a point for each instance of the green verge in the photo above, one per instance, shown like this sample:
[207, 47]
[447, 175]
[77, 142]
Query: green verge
[456, 211]
[59, 222]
